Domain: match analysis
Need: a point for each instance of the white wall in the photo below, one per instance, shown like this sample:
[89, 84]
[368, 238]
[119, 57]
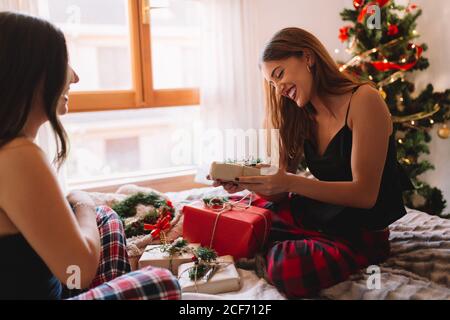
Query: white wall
[321, 17]
[433, 27]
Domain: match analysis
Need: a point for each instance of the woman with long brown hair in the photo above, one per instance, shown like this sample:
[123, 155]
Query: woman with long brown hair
[53, 247]
[329, 227]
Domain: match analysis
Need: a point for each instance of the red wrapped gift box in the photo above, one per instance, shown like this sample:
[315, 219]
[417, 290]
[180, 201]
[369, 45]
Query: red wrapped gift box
[239, 232]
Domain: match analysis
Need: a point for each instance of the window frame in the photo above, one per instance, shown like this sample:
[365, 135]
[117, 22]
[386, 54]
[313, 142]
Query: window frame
[142, 94]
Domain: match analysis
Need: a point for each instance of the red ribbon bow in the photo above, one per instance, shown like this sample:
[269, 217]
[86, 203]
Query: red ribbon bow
[163, 223]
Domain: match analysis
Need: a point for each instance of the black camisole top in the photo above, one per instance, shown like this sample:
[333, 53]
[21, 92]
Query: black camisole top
[335, 165]
[23, 274]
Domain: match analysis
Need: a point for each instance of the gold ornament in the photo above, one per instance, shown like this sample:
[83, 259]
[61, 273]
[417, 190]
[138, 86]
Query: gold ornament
[406, 161]
[383, 93]
[444, 132]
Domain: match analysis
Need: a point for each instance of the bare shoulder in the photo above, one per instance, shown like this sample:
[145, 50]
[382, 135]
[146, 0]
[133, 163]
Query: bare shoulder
[366, 93]
[368, 105]
[18, 147]
[20, 154]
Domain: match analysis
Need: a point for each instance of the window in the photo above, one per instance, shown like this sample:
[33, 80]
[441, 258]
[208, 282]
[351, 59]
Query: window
[175, 39]
[116, 145]
[99, 44]
[120, 160]
[128, 53]
[133, 58]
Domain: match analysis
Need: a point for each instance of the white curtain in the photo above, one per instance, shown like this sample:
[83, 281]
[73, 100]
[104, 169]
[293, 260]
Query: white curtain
[231, 89]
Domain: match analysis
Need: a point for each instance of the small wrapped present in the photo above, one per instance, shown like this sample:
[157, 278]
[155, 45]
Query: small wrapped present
[239, 231]
[221, 276]
[168, 256]
[231, 171]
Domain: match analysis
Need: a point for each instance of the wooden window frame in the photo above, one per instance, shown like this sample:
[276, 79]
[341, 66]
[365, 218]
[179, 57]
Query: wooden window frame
[143, 94]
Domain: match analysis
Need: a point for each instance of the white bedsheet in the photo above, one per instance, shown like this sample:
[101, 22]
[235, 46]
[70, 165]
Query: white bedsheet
[419, 266]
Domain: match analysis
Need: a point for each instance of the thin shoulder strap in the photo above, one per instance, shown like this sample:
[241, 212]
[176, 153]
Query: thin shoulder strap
[349, 103]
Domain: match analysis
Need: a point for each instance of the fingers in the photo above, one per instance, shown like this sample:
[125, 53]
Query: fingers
[250, 180]
[230, 187]
[216, 183]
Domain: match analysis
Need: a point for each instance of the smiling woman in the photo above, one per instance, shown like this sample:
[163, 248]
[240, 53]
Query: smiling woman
[342, 128]
[34, 82]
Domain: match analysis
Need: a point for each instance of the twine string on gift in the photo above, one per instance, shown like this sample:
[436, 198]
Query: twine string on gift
[177, 248]
[230, 205]
[209, 266]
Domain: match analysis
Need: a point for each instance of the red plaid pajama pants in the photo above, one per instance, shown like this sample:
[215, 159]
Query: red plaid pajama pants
[114, 280]
[301, 262]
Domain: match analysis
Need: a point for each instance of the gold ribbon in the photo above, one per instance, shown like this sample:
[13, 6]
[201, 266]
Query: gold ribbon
[417, 116]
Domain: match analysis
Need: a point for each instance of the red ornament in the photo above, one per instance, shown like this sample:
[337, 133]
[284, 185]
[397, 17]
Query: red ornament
[358, 3]
[412, 7]
[392, 30]
[343, 33]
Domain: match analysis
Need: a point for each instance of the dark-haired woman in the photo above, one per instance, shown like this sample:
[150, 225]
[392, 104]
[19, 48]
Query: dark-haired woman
[52, 248]
[327, 228]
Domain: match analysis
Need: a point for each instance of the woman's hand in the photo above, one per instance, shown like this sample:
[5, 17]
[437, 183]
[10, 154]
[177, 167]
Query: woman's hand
[230, 187]
[268, 185]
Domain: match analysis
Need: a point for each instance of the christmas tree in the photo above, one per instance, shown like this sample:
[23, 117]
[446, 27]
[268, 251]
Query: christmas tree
[382, 38]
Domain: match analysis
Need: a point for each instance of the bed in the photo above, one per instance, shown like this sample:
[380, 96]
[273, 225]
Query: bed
[417, 269]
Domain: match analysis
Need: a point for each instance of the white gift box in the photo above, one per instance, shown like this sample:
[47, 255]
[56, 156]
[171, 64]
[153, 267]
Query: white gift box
[153, 256]
[225, 279]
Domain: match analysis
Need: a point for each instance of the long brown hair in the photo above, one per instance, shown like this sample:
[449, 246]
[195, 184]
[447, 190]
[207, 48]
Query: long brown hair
[33, 55]
[296, 124]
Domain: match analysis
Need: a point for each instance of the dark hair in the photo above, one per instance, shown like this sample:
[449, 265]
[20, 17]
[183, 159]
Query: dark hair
[33, 55]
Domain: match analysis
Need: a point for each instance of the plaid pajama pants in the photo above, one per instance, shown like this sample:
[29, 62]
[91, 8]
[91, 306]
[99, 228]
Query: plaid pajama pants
[114, 280]
[301, 262]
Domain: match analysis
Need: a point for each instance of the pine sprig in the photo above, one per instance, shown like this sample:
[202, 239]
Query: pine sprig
[206, 254]
[136, 227]
[215, 201]
[198, 271]
[204, 260]
[179, 246]
[127, 209]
